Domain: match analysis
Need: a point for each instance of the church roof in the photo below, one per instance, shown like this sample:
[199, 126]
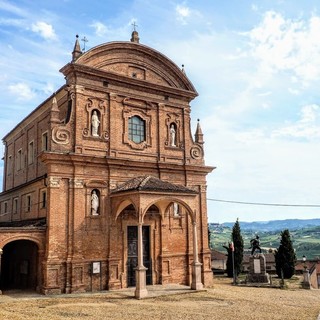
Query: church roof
[149, 183]
[218, 255]
[131, 59]
[32, 223]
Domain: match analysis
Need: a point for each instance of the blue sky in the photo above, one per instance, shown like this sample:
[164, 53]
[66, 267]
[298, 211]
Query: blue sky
[255, 64]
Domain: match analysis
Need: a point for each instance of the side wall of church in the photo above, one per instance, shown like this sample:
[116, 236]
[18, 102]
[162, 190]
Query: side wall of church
[27, 203]
[24, 195]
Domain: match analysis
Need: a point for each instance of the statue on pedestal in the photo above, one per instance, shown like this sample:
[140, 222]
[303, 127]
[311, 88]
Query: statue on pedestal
[255, 245]
[257, 264]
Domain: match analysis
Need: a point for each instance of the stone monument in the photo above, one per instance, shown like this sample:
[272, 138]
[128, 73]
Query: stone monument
[257, 264]
[257, 269]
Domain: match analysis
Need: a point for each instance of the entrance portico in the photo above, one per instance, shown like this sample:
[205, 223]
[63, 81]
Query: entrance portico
[147, 192]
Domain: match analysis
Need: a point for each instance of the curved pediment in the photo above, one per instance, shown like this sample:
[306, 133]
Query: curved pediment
[137, 61]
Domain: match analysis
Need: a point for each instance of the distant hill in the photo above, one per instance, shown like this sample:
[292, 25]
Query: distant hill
[276, 225]
[306, 240]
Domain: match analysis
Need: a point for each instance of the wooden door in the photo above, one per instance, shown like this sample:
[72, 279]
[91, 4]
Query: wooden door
[132, 261]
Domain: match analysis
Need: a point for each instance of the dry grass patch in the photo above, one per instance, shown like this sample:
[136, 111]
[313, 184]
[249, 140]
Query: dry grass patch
[223, 301]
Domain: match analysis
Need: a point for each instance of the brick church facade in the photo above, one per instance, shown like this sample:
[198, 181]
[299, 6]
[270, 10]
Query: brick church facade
[104, 185]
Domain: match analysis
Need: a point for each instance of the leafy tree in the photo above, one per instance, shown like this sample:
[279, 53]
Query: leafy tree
[285, 256]
[237, 241]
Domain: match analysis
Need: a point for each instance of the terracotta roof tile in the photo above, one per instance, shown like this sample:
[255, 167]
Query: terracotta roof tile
[218, 255]
[24, 223]
[149, 183]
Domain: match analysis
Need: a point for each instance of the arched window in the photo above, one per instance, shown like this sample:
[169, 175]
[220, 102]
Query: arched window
[137, 129]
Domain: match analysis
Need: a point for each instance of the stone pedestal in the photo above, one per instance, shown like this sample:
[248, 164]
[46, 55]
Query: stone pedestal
[196, 276]
[306, 279]
[141, 287]
[257, 269]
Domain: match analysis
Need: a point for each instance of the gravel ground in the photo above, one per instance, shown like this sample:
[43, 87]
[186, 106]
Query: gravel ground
[223, 301]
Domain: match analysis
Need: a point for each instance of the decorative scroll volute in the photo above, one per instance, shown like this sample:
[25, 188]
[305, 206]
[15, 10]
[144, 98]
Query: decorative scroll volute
[61, 135]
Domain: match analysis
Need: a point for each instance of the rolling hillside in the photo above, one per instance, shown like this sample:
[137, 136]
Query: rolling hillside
[276, 225]
[306, 240]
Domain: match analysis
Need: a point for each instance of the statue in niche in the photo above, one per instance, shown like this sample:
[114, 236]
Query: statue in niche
[95, 122]
[176, 209]
[94, 203]
[172, 136]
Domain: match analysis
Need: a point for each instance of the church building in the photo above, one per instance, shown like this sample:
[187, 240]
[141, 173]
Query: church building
[104, 183]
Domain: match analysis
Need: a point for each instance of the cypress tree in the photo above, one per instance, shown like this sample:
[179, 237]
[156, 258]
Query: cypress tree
[237, 240]
[285, 256]
[209, 237]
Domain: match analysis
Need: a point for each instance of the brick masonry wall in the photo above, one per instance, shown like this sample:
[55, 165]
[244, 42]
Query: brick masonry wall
[78, 163]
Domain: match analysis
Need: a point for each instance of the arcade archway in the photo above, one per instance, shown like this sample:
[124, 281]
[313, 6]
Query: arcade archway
[19, 265]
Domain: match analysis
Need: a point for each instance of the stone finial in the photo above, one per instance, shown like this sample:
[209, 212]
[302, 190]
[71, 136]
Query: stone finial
[54, 104]
[135, 36]
[76, 53]
[199, 135]
[54, 114]
[182, 69]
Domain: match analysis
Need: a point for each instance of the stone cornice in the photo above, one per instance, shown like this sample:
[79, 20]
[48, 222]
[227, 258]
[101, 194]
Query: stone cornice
[80, 159]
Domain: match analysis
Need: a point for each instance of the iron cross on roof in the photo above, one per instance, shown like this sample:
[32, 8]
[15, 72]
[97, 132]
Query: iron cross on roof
[84, 40]
[134, 25]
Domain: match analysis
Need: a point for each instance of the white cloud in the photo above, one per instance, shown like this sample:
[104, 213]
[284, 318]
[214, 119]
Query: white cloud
[254, 7]
[310, 113]
[281, 44]
[254, 165]
[6, 6]
[294, 91]
[21, 91]
[264, 94]
[100, 29]
[12, 22]
[44, 29]
[183, 12]
[307, 127]
[49, 88]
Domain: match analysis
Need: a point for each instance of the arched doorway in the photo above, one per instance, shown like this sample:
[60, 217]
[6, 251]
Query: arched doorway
[19, 265]
[129, 221]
